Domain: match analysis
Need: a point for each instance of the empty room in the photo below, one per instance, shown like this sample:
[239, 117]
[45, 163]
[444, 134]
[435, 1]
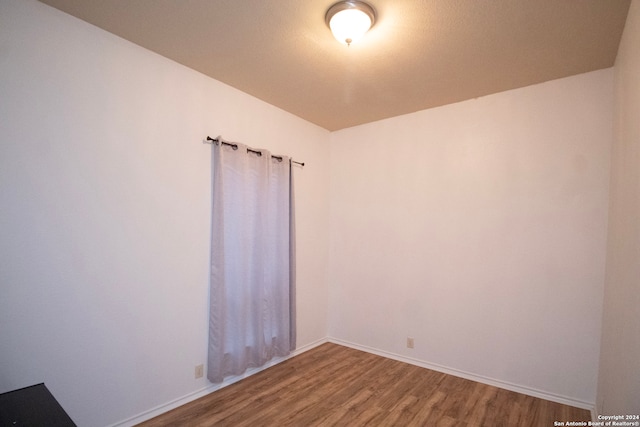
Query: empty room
[233, 213]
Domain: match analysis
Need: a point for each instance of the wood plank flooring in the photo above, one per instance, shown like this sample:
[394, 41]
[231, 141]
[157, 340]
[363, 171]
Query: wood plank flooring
[332, 385]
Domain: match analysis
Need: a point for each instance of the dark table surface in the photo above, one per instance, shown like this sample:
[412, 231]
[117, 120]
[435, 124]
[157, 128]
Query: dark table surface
[32, 406]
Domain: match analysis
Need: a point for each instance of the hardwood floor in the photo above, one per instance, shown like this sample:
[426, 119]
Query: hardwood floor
[332, 385]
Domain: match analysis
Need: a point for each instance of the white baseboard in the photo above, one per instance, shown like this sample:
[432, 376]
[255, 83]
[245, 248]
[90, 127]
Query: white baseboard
[161, 409]
[473, 377]
[165, 407]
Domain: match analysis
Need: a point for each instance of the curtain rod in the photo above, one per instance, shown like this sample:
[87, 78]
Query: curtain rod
[219, 140]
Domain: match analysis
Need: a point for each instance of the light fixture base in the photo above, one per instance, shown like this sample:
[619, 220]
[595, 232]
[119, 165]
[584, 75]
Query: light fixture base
[350, 4]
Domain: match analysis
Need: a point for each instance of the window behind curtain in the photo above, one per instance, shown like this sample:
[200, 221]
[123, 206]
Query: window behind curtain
[251, 314]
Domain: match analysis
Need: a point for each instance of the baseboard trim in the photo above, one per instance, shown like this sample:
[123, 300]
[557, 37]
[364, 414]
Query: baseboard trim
[161, 409]
[165, 407]
[470, 376]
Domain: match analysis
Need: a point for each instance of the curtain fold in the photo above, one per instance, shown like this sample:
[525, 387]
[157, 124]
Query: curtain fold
[252, 291]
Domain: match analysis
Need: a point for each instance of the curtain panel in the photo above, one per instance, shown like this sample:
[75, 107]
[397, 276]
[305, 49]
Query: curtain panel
[252, 284]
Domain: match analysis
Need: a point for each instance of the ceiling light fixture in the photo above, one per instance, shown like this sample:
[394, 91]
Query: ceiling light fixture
[350, 20]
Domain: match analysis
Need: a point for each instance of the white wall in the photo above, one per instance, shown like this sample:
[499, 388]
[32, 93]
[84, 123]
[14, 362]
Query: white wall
[619, 380]
[478, 228]
[104, 213]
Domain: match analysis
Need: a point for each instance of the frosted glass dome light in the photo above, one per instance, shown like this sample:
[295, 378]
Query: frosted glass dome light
[350, 20]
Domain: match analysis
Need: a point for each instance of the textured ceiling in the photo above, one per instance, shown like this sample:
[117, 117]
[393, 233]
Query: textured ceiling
[419, 54]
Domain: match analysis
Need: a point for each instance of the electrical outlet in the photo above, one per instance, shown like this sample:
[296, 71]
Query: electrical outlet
[199, 371]
[409, 342]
